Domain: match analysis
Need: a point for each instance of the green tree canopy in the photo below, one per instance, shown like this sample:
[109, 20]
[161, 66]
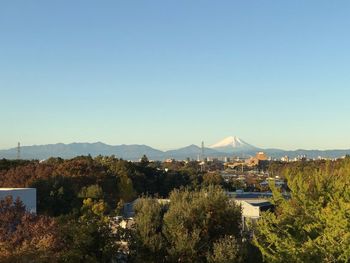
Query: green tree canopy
[185, 228]
[212, 179]
[149, 241]
[89, 238]
[314, 224]
[92, 191]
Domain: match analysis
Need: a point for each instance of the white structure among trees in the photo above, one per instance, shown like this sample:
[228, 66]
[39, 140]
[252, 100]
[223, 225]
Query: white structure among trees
[26, 195]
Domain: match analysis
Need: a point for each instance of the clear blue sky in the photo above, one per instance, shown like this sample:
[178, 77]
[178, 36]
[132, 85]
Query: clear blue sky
[171, 73]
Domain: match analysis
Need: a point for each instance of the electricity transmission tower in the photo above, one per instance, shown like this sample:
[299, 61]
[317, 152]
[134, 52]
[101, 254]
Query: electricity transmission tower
[18, 151]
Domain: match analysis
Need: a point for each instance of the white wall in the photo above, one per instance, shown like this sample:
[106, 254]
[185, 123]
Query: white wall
[27, 196]
[248, 210]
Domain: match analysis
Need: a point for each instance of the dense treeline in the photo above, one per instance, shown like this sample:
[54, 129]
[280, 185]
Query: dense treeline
[287, 169]
[60, 183]
[78, 199]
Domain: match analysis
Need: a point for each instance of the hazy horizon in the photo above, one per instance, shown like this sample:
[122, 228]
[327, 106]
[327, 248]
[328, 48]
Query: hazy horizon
[168, 149]
[171, 74]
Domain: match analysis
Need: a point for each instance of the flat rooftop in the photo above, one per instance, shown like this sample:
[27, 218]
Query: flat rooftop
[256, 202]
[254, 195]
[250, 195]
[12, 189]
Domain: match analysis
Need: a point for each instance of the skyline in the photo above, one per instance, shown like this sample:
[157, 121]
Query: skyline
[173, 74]
[207, 146]
[231, 146]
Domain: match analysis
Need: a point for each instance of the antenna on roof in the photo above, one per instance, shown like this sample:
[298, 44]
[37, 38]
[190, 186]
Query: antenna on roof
[18, 151]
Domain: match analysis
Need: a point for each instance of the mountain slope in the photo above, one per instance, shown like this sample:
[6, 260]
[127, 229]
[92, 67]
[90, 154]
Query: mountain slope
[191, 151]
[233, 144]
[129, 152]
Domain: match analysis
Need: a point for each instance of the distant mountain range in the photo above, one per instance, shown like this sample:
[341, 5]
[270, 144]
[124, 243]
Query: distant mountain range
[230, 146]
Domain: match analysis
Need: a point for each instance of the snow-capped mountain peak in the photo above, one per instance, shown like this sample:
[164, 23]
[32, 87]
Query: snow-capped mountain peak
[232, 142]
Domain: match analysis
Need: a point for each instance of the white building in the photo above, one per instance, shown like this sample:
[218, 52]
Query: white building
[252, 204]
[252, 208]
[26, 195]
